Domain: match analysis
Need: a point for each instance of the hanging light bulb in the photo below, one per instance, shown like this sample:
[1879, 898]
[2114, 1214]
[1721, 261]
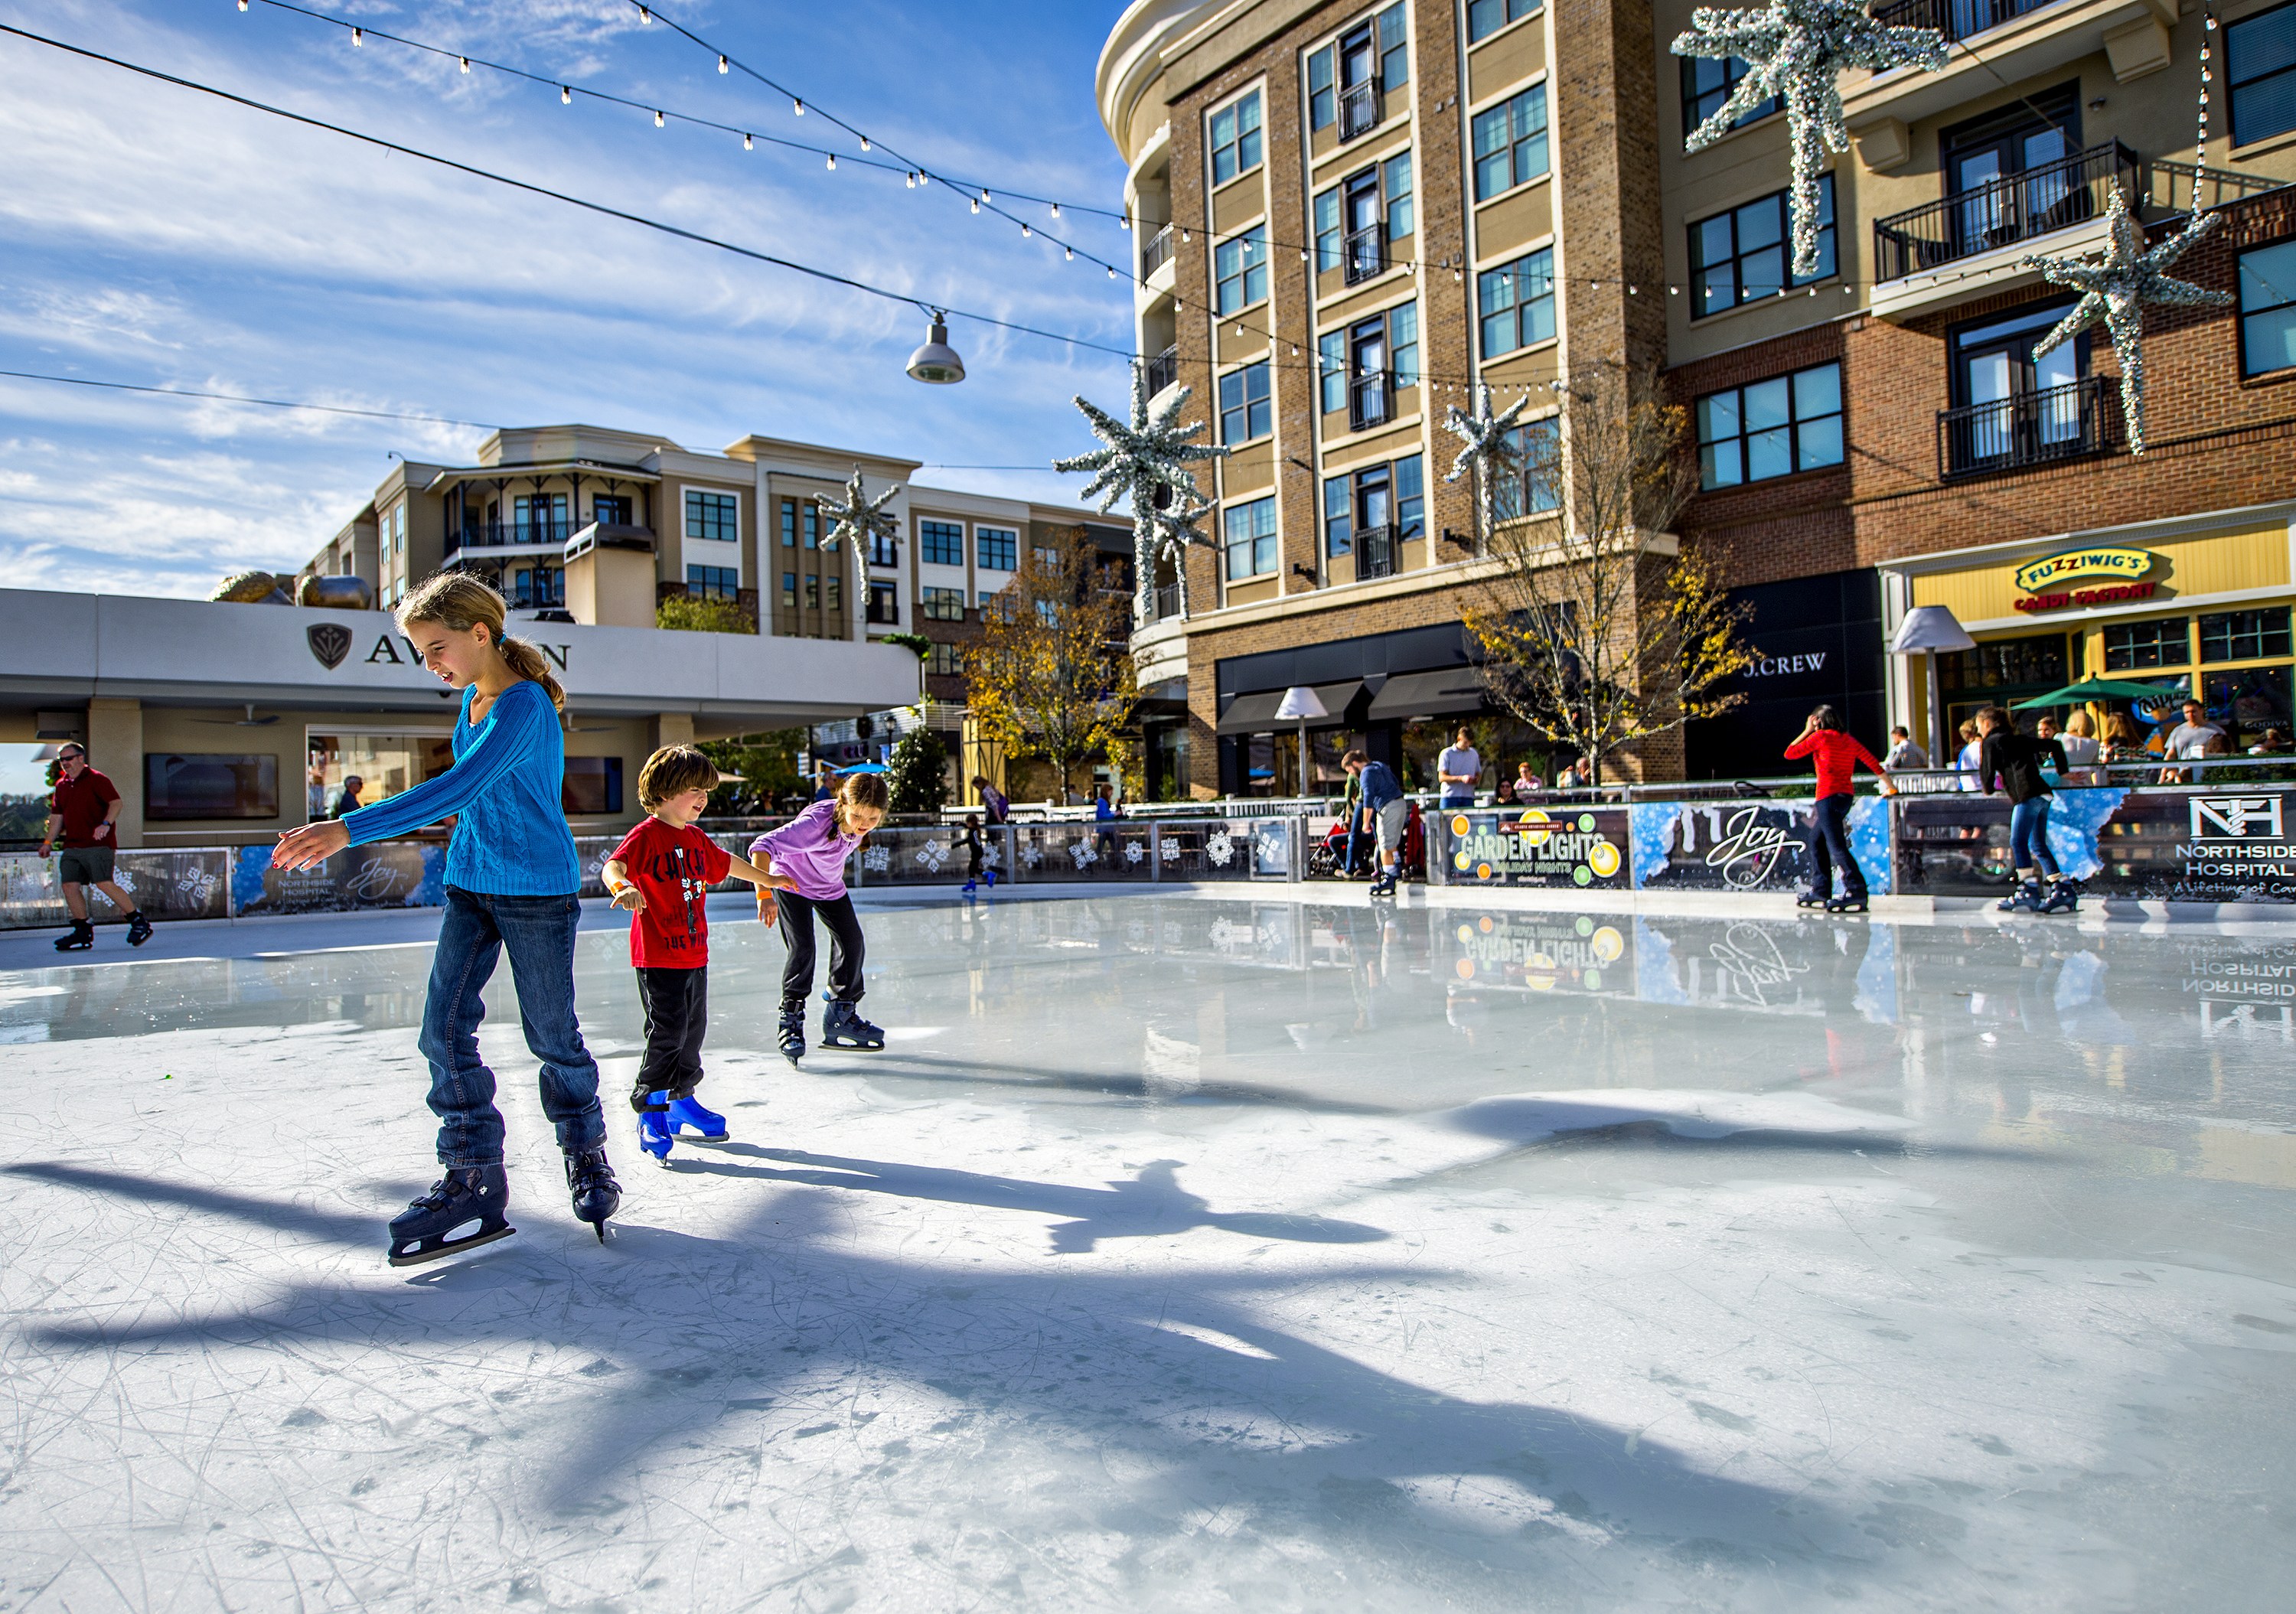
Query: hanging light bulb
[1056, 209]
[1111, 271]
[800, 106]
[937, 362]
[358, 35]
[1025, 231]
[923, 179]
[1184, 235]
[748, 143]
[1070, 257]
[465, 61]
[833, 162]
[864, 142]
[911, 177]
[644, 15]
[1124, 221]
[723, 66]
[565, 95]
[984, 192]
[976, 205]
[657, 118]
[243, 4]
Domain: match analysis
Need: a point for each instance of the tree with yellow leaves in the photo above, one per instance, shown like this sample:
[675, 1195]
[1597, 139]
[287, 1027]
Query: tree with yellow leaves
[1051, 674]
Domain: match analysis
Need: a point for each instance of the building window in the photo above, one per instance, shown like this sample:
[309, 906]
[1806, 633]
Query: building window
[2267, 306]
[1332, 367]
[2139, 646]
[945, 604]
[2011, 409]
[1236, 139]
[813, 526]
[789, 591]
[713, 582]
[1517, 300]
[1327, 230]
[812, 591]
[883, 551]
[1394, 185]
[941, 543]
[610, 509]
[1370, 386]
[1510, 142]
[710, 515]
[1321, 104]
[1250, 535]
[1243, 404]
[2260, 59]
[2035, 661]
[1486, 17]
[834, 587]
[537, 519]
[1771, 429]
[1403, 343]
[945, 661]
[1707, 83]
[788, 523]
[1363, 252]
[1394, 51]
[1525, 486]
[1410, 498]
[996, 547]
[1240, 269]
[537, 587]
[2244, 636]
[1743, 256]
[884, 605]
[1339, 512]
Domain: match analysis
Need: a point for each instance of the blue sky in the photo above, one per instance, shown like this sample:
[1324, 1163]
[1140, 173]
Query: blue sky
[163, 237]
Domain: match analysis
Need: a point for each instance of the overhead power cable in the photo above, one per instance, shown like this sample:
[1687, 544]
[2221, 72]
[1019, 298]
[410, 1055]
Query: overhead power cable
[234, 398]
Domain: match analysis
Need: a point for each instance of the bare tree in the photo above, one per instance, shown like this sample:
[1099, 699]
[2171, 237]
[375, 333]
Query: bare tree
[1051, 673]
[1598, 628]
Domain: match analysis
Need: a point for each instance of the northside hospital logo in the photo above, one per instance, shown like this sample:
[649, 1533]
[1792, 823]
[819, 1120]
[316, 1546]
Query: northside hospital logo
[2239, 817]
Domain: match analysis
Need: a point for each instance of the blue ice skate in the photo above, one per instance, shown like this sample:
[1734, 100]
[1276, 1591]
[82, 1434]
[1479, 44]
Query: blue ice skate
[655, 1133]
[688, 1112]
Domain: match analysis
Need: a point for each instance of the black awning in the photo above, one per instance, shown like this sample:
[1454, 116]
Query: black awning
[1252, 713]
[1436, 694]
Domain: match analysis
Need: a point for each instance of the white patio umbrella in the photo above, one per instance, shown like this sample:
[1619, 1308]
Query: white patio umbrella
[1300, 703]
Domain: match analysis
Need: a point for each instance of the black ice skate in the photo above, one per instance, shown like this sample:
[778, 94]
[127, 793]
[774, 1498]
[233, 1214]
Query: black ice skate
[2062, 897]
[81, 937]
[842, 1026]
[597, 1195]
[793, 1037]
[1812, 899]
[465, 1195]
[1384, 885]
[1854, 902]
[139, 929]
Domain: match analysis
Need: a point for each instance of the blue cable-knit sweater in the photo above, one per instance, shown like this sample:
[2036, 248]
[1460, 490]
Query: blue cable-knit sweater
[504, 788]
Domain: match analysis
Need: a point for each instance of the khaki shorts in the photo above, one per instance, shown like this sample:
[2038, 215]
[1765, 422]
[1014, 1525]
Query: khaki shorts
[83, 865]
[1393, 819]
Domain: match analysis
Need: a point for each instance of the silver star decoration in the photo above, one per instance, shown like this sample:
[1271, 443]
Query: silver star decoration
[1796, 48]
[2114, 288]
[861, 518]
[1486, 451]
[1148, 458]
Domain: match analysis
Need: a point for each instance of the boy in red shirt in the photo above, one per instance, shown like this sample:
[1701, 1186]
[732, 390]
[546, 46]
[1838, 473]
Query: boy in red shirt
[662, 872]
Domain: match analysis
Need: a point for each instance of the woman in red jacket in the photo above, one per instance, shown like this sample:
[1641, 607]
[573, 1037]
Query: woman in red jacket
[1838, 754]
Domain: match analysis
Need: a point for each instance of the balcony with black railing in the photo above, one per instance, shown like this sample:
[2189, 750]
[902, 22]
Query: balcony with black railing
[1364, 253]
[1163, 370]
[1359, 109]
[1165, 601]
[2004, 212]
[1371, 399]
[1955, 18]
[2064, 423]
[1156, 251]
[1374, 549]
[478, 534]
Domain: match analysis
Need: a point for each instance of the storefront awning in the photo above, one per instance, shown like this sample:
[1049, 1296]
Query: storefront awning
[1454, 689]
[1255, 713]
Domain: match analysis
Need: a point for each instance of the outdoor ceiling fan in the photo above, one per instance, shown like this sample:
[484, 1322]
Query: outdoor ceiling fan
[250, 721]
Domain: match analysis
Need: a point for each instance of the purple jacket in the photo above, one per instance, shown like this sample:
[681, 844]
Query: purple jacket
[810, 848]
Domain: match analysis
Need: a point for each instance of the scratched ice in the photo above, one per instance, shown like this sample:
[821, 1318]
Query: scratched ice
[1186, 1254]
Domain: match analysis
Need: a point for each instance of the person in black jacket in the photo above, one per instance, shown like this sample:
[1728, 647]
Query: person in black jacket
[2012, 763]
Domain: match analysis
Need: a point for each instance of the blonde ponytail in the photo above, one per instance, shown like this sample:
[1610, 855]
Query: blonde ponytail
[460, 602]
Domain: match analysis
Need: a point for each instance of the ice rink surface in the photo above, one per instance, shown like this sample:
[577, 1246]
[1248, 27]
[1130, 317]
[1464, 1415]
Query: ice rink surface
[1183, 1253]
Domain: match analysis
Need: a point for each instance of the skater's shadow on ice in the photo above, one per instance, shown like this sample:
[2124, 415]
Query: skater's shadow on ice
[336, 1228]
[1151, 1204]
[1004, 1073]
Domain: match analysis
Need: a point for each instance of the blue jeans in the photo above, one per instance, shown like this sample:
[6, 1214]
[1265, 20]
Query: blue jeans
[2028, 836]
[539, 933]
[1829, 844]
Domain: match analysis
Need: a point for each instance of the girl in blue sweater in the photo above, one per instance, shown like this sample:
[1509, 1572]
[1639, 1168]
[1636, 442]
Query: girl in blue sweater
[512, 881]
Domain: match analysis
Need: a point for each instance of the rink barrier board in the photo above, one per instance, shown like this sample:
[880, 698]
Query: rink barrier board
[2203, 845]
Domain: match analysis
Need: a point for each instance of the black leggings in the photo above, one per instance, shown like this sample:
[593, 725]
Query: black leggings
[845, 948]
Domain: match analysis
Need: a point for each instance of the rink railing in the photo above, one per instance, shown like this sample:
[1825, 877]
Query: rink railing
[2220, 839]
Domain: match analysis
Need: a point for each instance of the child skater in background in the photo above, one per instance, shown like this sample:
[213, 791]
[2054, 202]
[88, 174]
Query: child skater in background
[512, 883]
[810, 849]
[662, 872]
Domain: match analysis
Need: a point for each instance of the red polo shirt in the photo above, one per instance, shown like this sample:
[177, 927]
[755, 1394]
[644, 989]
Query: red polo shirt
[80, 802]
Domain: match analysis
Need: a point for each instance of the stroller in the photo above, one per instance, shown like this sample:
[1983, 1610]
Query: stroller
[1344, 854]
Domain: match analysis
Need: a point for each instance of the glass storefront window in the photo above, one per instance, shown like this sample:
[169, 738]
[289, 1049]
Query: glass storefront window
[384, 765]
[2129, 646]
[2249, 703]
[2244, 636]
[2037, 660]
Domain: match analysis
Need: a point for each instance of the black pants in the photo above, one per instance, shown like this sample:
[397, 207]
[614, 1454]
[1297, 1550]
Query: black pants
[677, 1013]
[1829, 844]
[845, 948]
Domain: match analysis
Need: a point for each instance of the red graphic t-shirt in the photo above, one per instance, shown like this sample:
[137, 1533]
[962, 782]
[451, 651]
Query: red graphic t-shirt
[81, 803]
[674, 869]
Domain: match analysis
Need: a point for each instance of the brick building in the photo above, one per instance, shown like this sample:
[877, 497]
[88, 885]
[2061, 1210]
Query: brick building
[1874, 438]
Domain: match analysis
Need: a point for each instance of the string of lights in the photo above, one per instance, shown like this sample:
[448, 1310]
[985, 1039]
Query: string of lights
[234, 398]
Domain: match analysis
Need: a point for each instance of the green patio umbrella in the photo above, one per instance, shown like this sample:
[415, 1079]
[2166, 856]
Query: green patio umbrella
[2099, 689]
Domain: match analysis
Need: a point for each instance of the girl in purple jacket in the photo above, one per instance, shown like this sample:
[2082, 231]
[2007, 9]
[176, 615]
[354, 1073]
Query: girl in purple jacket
[811, 849]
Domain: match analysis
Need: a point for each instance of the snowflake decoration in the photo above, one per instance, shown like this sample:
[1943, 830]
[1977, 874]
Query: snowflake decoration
[877, 859]
[1031, 853]
[1133, 852]
[1796, 48]
[2114, 288]
[1486, 451]
[993, 855]
[1146, 462]
[1171, 850]
[931, 855]
[862, 520]
[1220, 848]
[1085, 856]
[1222, 934]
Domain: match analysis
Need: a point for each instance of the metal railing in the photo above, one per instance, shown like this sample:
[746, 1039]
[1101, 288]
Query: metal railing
[1364, 253]
[1955, 18]
[2017, 208]
[479, 534]
[1359, 109]
[1371, 399]
[1156, 251]
[2168, 185]
[1374, 549]
[2030, 429]
[1165, 601]
[1163, 370]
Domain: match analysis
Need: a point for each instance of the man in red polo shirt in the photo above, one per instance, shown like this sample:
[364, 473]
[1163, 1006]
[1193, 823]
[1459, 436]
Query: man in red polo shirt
[81, 815]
